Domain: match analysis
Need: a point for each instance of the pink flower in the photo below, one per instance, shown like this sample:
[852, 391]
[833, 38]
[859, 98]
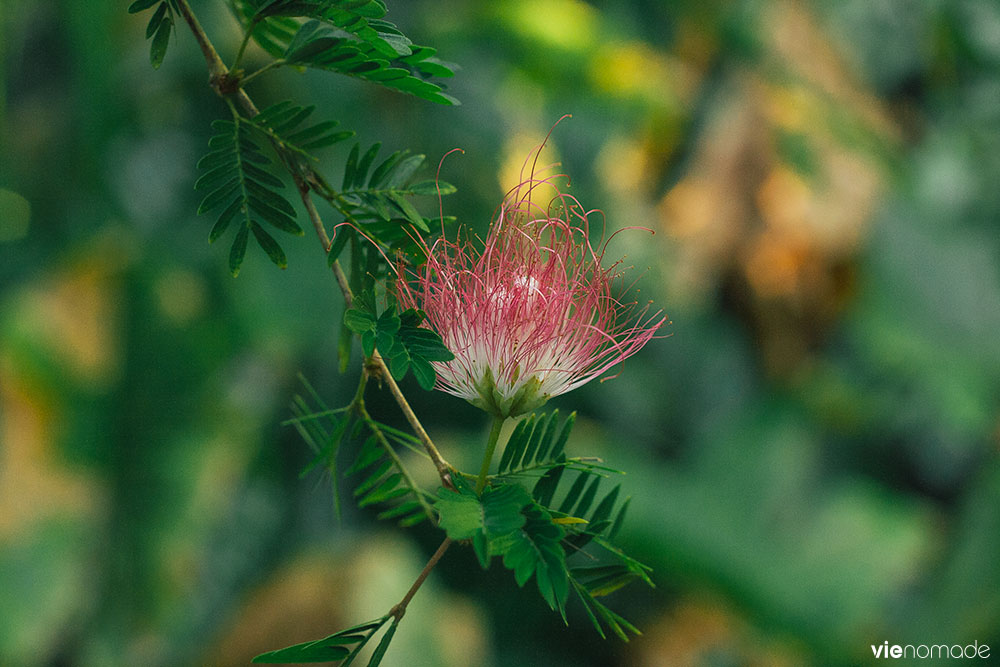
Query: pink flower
[530, 313]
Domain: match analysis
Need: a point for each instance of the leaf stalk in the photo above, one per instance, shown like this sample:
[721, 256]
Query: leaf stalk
[244, 43]
[266, 68]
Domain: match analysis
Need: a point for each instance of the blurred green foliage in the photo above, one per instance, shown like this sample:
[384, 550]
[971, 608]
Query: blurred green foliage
[812, 452]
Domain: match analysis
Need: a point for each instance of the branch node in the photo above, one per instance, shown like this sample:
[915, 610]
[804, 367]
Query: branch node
[227, 83]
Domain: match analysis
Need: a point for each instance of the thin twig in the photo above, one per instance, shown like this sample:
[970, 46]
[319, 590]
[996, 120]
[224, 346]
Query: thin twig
[219, 77]
[225, 85]
[244, 44]
[384, 442]
[345, 286]
[314, 217]
[400, 608]
[443, 468]
[358, 404]
[215, 65]
[266, 68]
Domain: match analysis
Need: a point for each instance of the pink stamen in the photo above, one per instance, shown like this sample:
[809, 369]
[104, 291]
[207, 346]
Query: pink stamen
[530, 309]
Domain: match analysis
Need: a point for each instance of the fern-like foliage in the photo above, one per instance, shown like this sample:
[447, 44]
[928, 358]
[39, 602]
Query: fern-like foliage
[535, 550]
[403, 342]
[160, 25]
[384, 479]
[375, 198]
[536, 448]
[319, 46]
[349, 37]
[236, 180]
[285, 124]
[537, 442]
[380, 221]
[323, 430]
[585, 523]
[599, 614]
[362, 19]
[341, 647]
[386, 483]
[542, 534]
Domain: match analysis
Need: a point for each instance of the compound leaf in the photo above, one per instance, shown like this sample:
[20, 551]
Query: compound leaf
[236, 182]
[330, 649]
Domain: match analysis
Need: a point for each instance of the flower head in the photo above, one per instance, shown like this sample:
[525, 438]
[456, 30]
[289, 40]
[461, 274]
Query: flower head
[530, 313]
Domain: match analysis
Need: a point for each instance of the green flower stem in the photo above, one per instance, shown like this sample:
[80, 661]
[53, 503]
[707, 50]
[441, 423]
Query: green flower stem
[491, 446]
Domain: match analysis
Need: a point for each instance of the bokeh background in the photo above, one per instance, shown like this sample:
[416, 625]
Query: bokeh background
[812, 452]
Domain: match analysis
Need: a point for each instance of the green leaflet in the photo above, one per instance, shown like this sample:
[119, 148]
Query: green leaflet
[236, 183]
[161, 40]
[432, 188]
[537, 441]
[401, 340]
[340, 646]
[374, 198]
[535, 549]
[383, 645]
[160, 25]
[496, 514]
[384, 482]
[350, 37]
[285, 124]
[141, 5]
[384, 58]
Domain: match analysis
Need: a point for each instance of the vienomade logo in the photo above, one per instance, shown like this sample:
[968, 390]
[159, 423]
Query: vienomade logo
[935, 651]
